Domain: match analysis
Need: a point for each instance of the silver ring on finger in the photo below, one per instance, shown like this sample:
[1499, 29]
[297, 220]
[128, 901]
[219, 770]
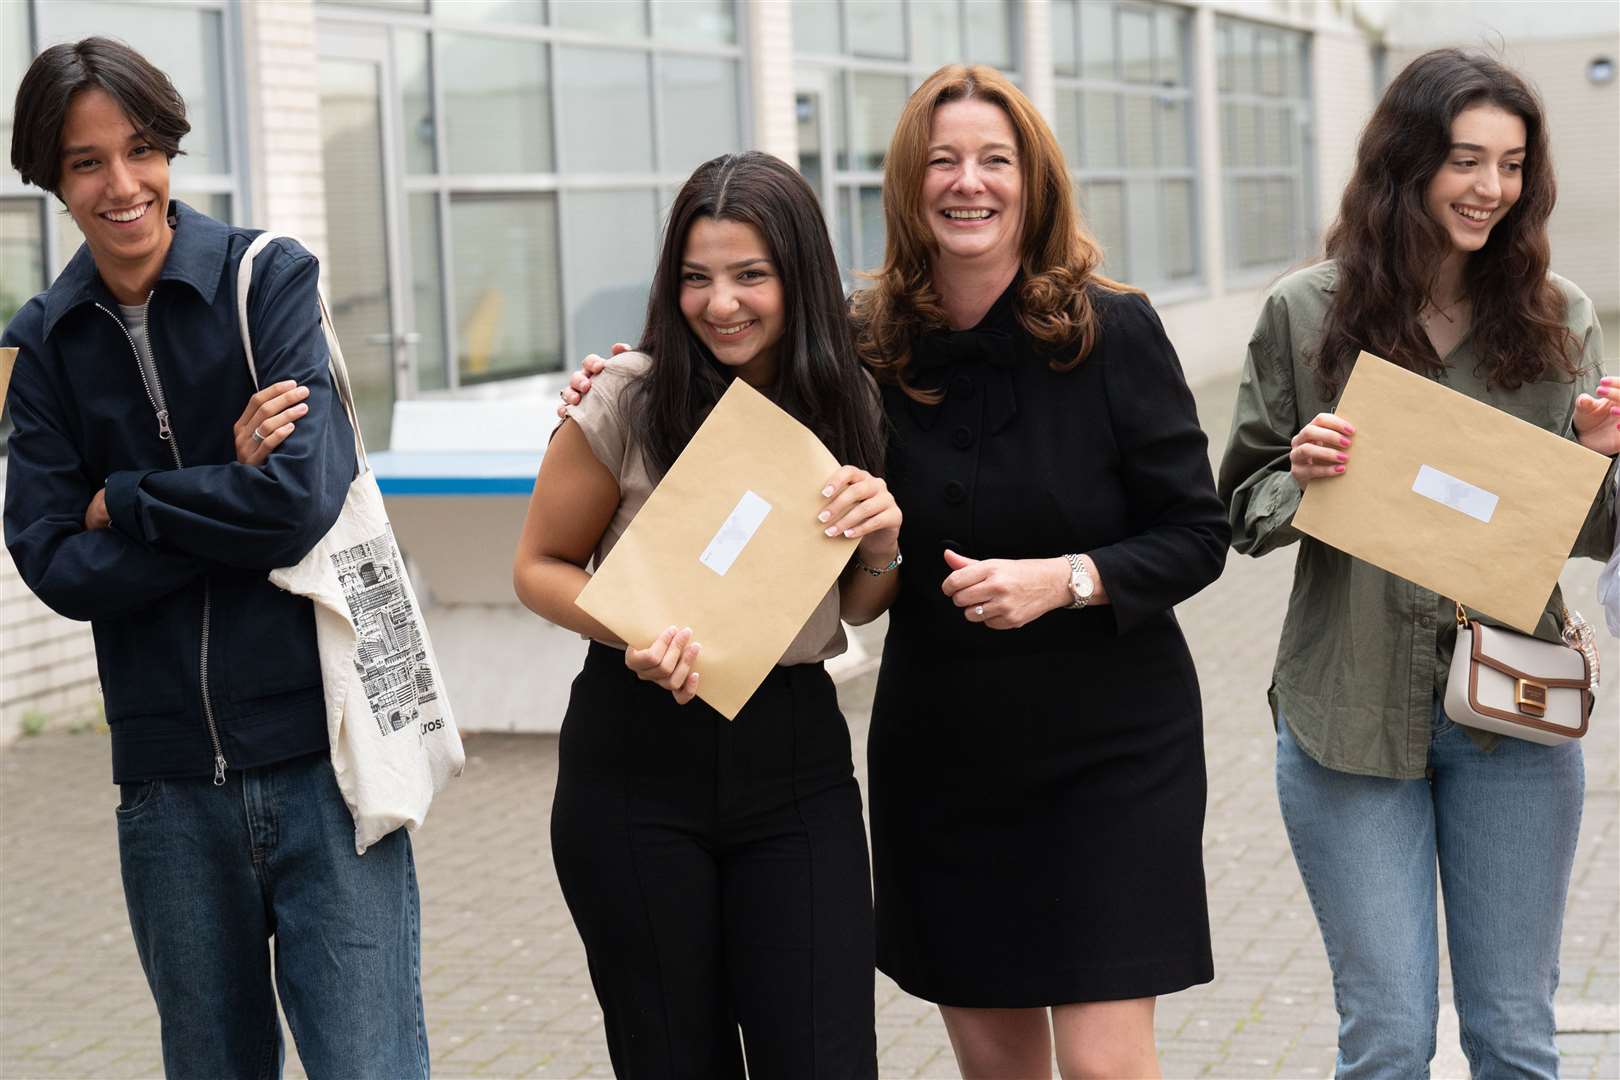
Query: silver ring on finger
[978, 609]
[257, 438]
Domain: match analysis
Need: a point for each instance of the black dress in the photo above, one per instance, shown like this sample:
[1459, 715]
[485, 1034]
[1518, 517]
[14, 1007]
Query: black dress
[1037, 795]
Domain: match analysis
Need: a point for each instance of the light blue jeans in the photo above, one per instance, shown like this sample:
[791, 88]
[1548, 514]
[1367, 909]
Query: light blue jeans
[211, 873]
[1501, 827]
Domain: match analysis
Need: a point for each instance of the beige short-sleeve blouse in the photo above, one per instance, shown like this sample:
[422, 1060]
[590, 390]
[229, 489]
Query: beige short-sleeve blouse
[602, 418]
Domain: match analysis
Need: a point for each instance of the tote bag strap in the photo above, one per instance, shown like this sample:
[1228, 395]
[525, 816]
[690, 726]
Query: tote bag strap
[335, 364]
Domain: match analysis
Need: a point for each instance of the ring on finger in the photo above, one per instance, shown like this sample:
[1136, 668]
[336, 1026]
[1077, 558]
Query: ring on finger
[978, 609]
[257, 438]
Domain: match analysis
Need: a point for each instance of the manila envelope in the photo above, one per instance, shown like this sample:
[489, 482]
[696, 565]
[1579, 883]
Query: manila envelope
[728, 544]
[1452, 494]
[8, 360]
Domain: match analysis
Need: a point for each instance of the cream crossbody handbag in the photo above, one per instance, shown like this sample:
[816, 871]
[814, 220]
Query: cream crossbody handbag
[1516, 685]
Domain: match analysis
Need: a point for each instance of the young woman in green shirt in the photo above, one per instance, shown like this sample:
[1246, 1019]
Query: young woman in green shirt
[1438, 261]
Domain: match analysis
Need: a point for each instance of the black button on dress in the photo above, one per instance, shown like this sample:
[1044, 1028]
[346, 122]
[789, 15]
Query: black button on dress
[1037, 795]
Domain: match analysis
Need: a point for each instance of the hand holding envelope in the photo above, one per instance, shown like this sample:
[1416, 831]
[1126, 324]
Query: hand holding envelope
[1452, 494]
[727, 546]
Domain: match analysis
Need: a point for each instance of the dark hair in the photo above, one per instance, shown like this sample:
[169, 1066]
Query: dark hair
[145, 94]
[818, 381]
[1059, 257]
[1388, 249]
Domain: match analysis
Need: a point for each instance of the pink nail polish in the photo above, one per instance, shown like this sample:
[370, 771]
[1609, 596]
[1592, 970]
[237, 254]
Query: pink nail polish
[1338, 468]
[823, 516]
[1342, 458]
[832, 530]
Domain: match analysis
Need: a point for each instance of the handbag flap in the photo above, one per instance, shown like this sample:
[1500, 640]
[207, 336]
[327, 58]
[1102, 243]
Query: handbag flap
[1521, 657]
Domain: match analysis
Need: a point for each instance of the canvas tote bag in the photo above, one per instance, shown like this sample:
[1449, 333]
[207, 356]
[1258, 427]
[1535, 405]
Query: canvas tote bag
[394, 739]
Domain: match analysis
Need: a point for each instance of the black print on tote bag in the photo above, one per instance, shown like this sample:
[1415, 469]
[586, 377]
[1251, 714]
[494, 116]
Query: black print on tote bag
[389, 655]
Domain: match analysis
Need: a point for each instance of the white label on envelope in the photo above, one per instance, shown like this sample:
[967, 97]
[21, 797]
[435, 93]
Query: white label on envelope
[1476, 502]
[734, 535]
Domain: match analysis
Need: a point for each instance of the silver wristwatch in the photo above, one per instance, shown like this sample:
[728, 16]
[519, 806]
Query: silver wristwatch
[1080, 584]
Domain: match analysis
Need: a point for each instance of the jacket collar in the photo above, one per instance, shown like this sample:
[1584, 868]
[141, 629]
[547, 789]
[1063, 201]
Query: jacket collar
[196, 256]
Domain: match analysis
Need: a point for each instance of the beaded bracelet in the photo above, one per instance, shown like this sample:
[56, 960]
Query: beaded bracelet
[893, 563]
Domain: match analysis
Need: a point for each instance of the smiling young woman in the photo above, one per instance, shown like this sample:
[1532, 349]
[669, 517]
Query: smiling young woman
[1438, 262]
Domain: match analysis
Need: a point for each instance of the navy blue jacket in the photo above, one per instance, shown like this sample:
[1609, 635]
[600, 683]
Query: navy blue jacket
[201, 658]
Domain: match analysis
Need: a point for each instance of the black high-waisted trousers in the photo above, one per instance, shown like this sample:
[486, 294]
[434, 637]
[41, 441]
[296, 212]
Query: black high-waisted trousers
[717, 872]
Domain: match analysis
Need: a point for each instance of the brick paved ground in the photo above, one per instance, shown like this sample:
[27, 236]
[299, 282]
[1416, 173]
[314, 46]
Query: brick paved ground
[504, 977]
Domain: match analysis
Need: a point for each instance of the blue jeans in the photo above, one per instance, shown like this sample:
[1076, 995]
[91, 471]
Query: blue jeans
[212, 873]
[1501, 826]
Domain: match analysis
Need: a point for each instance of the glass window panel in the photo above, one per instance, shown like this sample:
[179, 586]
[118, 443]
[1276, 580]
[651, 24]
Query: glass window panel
[427, 292]
[878, 100]
[1223, 55]
[1175, 133]
[1273, 125]
[1139, 131]
[876, 27]
[848, 211]
[1143, 232]
[1270, 60]
[1246, 232]
[713, 21]
[216, 206]
[872, 231]
[1289, 135]
[612, 246]
[1170, 51]
[700, 110]
[497, 101]
[1102, 207]
[1242, 57]
[1278, 220]
[1294, 66]
[1066, 125]
[22, 254]
[808, 112]
[591, 103]
[1065, 51]
[508, 303]
[1180, 251]
[939, 34]
[620, 18]
[496, 11]
[15, 55]
[186, 43]
[416, 98]
[1100, 113]
[1242, 135]
[1097, 50]
[1136, 45]
[988, 31]
[815, 26]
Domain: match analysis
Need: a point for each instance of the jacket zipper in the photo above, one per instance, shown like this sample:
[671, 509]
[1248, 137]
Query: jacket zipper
[160, 407]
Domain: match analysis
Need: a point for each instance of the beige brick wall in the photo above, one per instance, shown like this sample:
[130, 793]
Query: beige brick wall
[282, 98]
[769, 53]
[47, 663]
[1342, 88]
[1584, 124]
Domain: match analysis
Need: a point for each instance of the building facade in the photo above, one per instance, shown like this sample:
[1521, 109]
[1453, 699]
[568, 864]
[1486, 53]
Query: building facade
[485, 180]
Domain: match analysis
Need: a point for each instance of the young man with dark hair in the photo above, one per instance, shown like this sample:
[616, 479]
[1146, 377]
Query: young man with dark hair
[132, 501]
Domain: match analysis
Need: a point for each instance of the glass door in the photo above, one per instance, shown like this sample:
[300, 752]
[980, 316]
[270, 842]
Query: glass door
[364, 264]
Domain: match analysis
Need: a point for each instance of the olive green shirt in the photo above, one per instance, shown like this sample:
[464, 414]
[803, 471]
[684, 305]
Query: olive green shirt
[1364, 653]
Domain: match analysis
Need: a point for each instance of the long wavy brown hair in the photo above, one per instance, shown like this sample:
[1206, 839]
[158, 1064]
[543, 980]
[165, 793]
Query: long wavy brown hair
[1059, 257]
[1388, 249]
